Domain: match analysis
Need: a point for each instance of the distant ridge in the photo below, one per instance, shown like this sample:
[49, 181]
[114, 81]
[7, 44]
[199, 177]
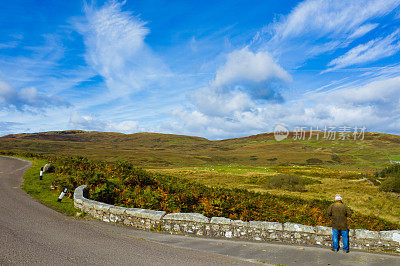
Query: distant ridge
[161, 150]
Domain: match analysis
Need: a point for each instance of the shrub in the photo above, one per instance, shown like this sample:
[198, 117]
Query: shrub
[105, 192]
[258, 179]
[392, 178]
[390, 170]
[336, 158]
[313, 161]
[253, 158]
[350, 176]
[286, 182]
[391, 184]
[124, 184]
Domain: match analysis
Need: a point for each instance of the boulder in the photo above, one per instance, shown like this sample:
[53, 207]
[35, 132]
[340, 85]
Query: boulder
[48, 168]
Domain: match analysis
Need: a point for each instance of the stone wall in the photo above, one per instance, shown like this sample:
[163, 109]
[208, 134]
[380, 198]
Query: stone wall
[198, 224]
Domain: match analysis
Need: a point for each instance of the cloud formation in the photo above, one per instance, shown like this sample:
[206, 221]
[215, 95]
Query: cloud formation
[7, 127]
[374, 105]
[116, 50]
[214, 102]
[315, 27]
[384, 93]
[85, 122]
[245, 66]
[27, 98]
[222, 85]
[335, 19]
[370, 51]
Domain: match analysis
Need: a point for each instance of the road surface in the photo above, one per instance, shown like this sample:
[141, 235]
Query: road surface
[31, 233]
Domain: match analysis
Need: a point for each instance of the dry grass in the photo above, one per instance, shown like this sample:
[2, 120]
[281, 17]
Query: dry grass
[360, 195]
[166, 150]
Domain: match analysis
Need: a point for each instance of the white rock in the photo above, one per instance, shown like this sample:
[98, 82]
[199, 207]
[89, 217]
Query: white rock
[190, 217]
[145, 213]
[366, 234]
[292, 227]
[220, 220]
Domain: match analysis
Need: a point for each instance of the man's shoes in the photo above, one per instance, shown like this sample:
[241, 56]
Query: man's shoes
[346, 251]
[335, 250]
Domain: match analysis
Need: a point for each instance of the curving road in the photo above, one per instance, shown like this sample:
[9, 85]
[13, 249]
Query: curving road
[31, 233]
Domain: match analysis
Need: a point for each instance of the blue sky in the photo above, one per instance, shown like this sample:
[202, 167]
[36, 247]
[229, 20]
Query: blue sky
[215, 69]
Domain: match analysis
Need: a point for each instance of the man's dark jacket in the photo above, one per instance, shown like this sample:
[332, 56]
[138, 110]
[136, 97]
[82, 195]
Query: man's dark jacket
[339, 213]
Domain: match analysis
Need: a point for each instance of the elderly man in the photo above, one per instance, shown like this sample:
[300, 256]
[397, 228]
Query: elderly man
[339, 213]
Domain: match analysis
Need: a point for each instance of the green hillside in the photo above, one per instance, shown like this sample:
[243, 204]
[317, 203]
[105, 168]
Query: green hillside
[325, 167]
[167, 150]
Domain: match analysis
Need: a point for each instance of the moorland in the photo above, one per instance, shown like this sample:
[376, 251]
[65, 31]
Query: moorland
[300, 172]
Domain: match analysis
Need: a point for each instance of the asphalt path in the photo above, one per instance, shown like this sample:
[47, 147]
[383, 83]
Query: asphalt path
[31, 233]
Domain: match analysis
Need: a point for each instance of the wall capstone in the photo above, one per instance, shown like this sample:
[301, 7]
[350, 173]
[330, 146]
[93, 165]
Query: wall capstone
[145, 214]
[200, 225]
[299, 228]
[220, 220]
[191, 217]
[266, 225]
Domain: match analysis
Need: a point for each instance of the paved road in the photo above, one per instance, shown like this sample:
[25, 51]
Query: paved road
[31, 233]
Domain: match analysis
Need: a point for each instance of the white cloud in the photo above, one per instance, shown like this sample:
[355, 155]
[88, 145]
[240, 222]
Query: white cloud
[214, 127]
[244, 65]
[381, 92]
[27, 98]
[7, 93]
[228, 105]
[263, 119]
[216, 102]
[86, 122]
[371, 51]
[331, 18]
[316, 27]
[375, 105]
[244, 77]
[8, 45]
[7, 127]
[126, 126]
[116, 50]
[38, 64]
[362, 30]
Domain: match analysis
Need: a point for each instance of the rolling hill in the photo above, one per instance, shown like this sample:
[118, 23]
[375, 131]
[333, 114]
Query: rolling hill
[167, 150]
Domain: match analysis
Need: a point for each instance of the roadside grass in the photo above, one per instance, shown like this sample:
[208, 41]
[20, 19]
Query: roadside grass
[359, 194]
[40, 189]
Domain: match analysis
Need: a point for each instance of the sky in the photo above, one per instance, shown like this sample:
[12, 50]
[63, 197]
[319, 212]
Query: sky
[214, 69]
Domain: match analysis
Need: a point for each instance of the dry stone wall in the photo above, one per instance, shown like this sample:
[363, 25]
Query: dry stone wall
[199, 225]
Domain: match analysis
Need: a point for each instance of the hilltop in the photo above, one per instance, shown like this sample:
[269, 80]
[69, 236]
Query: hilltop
[168, 150]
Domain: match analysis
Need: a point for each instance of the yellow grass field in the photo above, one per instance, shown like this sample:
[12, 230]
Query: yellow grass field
[358, 193]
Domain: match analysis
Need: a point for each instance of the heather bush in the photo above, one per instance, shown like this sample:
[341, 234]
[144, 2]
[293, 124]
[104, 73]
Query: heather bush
[286, 182]
[124, 184]
[391, 183]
